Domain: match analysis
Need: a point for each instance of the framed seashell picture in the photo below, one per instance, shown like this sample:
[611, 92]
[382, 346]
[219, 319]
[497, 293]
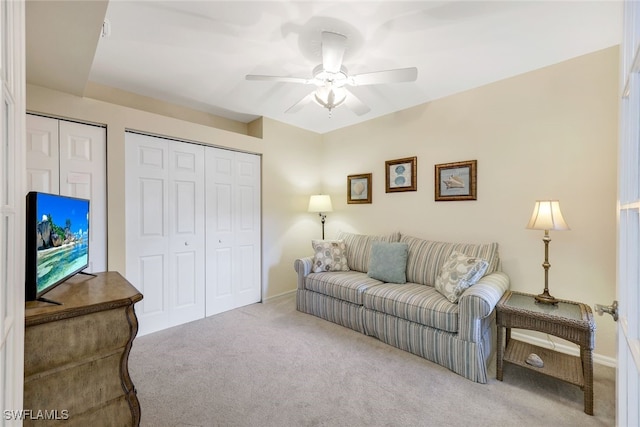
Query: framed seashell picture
[359, 188]
[401, 175]
[456, 181]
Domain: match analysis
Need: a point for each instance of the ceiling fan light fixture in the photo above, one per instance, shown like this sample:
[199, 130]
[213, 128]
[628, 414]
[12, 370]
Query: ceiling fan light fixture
[330, 97]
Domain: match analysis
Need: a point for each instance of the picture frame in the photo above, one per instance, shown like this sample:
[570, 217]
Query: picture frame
[456, 181]
[359, 188]
[401, 175]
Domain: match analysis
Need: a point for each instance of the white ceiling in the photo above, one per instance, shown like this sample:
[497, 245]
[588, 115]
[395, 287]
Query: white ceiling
[197, 53]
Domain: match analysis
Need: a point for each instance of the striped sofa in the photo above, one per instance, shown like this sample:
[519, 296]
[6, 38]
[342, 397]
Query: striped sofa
[413, 316]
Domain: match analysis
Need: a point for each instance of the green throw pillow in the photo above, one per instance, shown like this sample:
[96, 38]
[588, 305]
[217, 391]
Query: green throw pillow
[388, 262]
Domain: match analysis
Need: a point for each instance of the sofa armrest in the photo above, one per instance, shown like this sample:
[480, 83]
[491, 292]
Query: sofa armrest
[303, 268]
[478, 302]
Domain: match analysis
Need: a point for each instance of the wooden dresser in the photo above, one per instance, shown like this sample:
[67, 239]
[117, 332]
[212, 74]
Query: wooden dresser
[76, 354]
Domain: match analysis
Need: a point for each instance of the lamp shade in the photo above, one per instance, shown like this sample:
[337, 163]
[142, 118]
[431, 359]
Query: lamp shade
[320, 203]
[547, 216]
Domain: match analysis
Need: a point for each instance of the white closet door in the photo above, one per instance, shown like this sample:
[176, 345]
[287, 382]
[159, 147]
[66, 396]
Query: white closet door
[83, 150]
[233, 230]
[70, 158]
[248, 234]
[42, 153]
[186, 232]
[165, 229]
[147, 228]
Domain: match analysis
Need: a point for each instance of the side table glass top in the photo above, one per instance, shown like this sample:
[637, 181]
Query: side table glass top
[527, 302]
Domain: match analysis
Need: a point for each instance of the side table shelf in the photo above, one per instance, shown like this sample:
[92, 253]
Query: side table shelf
[557, 365]
[568, 320]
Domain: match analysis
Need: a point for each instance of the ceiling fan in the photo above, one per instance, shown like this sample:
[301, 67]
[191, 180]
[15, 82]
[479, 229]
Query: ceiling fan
[331, 77]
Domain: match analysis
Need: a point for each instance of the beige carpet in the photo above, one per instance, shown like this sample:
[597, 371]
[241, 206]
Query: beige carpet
[269, 365]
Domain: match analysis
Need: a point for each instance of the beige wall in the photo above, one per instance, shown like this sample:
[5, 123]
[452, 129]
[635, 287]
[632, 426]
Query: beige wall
[281, 190]
[550, 133]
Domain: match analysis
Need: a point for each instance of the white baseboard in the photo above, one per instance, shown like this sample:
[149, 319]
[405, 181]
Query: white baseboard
[562, 348]
[284, 294]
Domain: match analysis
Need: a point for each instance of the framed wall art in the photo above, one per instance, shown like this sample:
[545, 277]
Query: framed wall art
[401, 175]
[456, 181]
[359, 188]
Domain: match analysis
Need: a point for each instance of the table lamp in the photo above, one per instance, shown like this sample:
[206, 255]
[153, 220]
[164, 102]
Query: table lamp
[546, 216]
[320, 203]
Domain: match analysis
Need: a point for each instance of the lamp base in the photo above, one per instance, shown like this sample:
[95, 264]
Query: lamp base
[545, 298]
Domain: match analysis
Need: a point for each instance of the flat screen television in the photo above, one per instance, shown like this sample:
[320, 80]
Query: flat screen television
[57, 241]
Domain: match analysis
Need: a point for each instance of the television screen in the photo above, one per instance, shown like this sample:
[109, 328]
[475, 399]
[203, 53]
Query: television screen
[57, 241]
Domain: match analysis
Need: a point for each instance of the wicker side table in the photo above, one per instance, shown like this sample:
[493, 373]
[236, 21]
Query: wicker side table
[569, 320]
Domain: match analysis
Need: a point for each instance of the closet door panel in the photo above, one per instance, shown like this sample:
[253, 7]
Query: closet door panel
[248, 228]
[223, 289]
[83, 174]
[220, 233]
[233, 230]
[69, 158]
[147, 228]
[42, 154]
[186, 291]
[152, 275]
[186, 232]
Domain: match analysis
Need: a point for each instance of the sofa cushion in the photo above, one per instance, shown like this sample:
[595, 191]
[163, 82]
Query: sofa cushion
[427, 257]
[345, 285]
[388, 262]
[416, 303]
[359, 248]
[329, 255]
[459, 273]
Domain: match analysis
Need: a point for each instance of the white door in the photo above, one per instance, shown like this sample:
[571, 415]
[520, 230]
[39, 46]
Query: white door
[83, 174]
[147, 228]
[12, 202]
[233, 230]
[628, 372]
[186, 232]
[69, 158]
[165, 229]
[43, 155]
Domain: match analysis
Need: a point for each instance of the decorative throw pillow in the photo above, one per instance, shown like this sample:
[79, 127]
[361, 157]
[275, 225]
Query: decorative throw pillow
[388, 262]
[329, 255]
[458, 273]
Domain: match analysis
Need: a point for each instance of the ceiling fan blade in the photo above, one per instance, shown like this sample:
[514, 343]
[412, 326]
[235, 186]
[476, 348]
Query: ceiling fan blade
[284, 79]
[389, 76]
[354, 104]
[333, 47]
[300, 104]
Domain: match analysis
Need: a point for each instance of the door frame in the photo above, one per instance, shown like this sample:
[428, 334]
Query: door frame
[628, 209]
[12, 208]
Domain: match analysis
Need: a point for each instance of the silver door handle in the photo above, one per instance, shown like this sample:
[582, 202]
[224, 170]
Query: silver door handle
[611, 309]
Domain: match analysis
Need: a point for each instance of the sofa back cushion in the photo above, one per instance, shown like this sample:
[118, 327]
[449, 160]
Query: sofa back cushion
[426, 257]
[359, 248]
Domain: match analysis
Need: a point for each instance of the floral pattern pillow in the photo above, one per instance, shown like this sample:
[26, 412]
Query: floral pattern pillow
[458, 273]
[329, 255]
